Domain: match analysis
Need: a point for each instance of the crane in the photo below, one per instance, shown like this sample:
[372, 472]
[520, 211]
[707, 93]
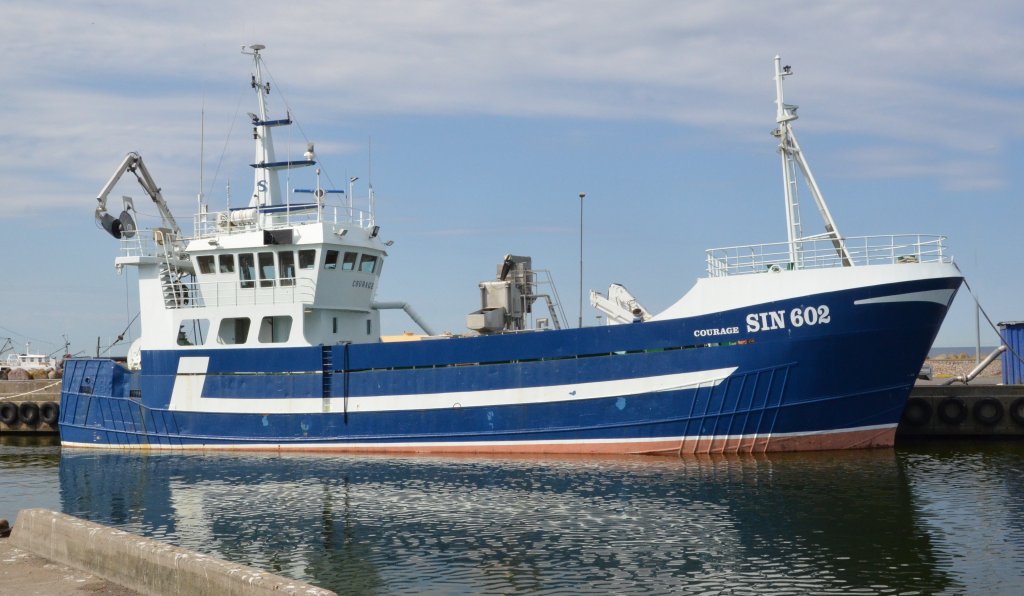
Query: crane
[620, 306]
[116, 226]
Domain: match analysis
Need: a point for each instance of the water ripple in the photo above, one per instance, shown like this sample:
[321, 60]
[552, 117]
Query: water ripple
[923, 519]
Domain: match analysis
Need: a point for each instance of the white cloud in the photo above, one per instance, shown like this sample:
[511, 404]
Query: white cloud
[86, 83]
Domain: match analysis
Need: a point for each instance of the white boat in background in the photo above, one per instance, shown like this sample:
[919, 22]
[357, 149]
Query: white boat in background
[29, 360]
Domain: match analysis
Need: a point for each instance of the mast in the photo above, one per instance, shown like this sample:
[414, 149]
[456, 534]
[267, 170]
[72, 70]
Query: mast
[793, 158]
[202, 151]
[266, 189]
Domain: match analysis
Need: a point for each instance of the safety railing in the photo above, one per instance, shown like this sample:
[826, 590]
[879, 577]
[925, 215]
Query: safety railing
[156, 242]
[249, 219]
[822, 253]
[244, 293]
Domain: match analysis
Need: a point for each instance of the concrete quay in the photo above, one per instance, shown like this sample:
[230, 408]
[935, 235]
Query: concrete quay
[960, 411]
[24, 573]
[44, 397]
[38, 390]
[54, 553]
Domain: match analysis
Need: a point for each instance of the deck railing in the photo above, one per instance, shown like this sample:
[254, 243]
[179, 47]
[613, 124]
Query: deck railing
[822, 253]
[232, 293]
[161, 242]
[236, 221]
[157, 242]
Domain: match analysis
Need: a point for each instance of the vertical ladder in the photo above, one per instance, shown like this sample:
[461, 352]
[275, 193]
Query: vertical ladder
[792, 202]
[328, 375]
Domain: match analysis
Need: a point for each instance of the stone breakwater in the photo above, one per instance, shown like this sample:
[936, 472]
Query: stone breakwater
[952, 366]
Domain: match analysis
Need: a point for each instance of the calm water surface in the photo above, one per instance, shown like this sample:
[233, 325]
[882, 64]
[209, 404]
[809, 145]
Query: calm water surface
[937, 517]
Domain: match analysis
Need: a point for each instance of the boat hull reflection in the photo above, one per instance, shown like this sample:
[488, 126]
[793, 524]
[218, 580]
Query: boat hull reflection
[802, 521]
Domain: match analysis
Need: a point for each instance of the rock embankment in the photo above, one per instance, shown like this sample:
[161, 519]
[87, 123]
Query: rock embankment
[952, 365]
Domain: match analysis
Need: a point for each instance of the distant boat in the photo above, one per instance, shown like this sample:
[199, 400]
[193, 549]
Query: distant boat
[261, 331]
[28, 361]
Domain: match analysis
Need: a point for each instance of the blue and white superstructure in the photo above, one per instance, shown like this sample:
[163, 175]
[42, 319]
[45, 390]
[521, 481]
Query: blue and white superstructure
[261, 331]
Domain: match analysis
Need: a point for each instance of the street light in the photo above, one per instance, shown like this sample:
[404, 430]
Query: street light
[580, 322]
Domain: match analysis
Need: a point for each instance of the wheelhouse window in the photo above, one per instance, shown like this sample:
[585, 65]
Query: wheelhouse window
[205, 263]
[233, 330]
[267, 273]
[247, 269]
[307, 259]
[227, 263]
[286, 260]
[368, 264]
[331, 260]
[349, 263]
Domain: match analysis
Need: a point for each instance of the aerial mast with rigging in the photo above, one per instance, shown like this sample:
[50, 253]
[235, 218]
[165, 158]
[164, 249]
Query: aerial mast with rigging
[793, 158]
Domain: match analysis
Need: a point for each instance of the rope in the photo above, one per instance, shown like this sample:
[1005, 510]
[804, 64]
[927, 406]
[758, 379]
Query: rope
[227, 140]
[994, 327]
[120, 337]
[7, 397]
[288, 109]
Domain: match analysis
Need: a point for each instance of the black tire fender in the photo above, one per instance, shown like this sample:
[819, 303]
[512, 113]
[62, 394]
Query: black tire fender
[1017, 411]
[28, 412]
[988, 411]
[952, 410]
[49, 413]
[917, 412]
[8, 413]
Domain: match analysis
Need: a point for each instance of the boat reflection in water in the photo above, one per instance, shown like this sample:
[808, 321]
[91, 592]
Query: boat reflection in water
[794, 522]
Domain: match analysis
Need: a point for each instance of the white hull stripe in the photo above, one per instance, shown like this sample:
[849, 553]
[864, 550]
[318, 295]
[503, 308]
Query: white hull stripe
[353, 446]
[187, 395]
[188, 383]
[937, 296]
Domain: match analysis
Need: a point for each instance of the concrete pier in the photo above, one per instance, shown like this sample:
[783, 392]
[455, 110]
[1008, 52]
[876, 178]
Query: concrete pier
[43, 393]
[995, 411]
[137, 564]
[27, 574]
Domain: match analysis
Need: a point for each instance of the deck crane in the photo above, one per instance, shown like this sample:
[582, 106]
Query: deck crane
[620, 306]
[124, 225]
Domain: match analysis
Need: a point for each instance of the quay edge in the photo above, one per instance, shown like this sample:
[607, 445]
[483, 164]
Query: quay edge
[962, 411]
[142, 564]
[43, 393]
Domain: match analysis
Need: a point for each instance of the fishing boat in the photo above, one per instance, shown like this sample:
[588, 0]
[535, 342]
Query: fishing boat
[33, 364]
[261, 331]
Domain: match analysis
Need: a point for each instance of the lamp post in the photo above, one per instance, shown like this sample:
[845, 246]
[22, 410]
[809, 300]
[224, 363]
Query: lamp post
[580, 322]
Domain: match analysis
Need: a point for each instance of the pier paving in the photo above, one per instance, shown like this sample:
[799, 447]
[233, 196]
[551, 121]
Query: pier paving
[23, 573]
[139, 563]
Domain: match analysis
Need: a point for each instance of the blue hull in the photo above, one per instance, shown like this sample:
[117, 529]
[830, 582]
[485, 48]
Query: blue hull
[657, 387]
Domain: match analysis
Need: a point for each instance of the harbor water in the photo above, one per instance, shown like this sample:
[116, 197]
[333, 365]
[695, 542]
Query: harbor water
[924, 518]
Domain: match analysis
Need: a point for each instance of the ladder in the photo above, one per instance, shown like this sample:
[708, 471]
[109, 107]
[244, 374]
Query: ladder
[328, 376]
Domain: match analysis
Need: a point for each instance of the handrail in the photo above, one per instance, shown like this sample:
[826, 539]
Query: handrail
[821, 253]
[543, 278]
[231, 293]
[249, 219]
[160, 242]
[155, 242]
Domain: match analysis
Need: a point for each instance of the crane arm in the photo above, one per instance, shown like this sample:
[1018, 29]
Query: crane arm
[133, 163]
[620, 306]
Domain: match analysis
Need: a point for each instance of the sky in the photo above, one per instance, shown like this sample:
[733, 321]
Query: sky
[488, 118]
